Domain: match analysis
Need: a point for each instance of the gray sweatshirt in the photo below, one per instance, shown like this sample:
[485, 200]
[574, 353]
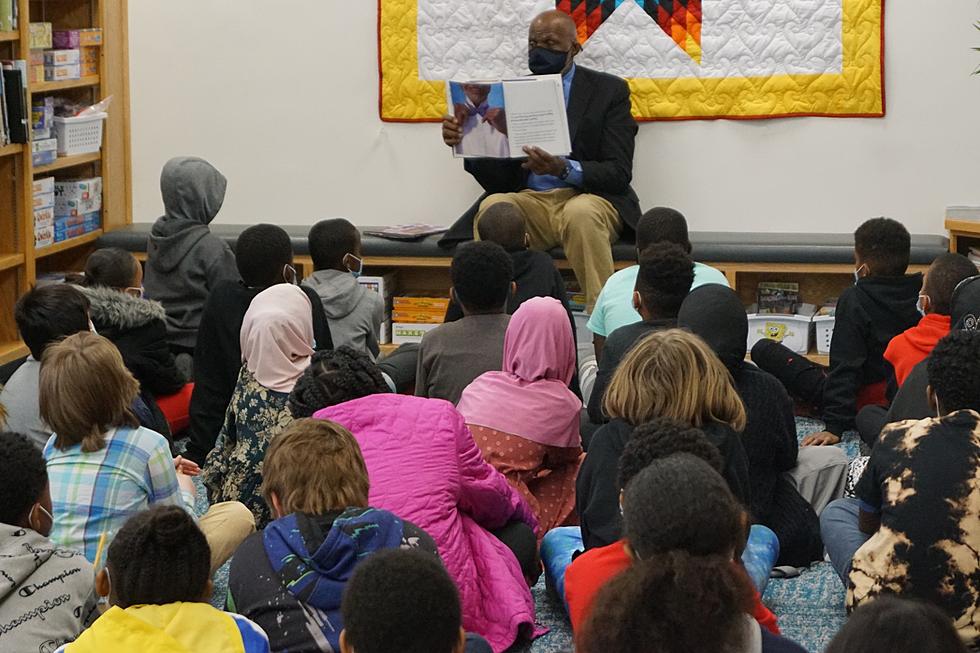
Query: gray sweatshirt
[184, 259]
[47, 594]
[354, 313]
[20, 398]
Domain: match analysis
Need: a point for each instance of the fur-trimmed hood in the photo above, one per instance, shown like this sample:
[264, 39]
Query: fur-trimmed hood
[121, 310]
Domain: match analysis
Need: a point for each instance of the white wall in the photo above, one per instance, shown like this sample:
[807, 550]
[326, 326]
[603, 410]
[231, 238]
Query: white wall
[285, 104]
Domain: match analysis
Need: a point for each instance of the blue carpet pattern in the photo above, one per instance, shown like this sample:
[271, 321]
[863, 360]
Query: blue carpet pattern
[810, 607]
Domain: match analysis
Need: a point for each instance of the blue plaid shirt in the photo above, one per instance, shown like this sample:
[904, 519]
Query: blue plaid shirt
[96, 492]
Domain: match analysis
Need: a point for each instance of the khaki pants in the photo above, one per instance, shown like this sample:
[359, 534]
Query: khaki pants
[585, 225]
[226, 525]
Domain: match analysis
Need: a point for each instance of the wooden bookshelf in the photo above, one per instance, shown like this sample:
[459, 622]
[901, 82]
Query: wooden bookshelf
[20, 262]
[63, 162]
[51, 87]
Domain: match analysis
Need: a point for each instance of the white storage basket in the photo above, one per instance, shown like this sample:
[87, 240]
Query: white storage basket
[79, 135]
[824, 325]
[793, 331]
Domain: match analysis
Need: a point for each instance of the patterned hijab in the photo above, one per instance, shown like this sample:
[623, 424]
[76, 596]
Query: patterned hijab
[530, 398]
[277, 336]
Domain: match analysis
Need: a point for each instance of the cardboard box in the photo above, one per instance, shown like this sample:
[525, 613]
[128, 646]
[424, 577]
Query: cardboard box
[44, 236]
[64, 38]
[90, 54]
[42, 114]
[427, 304]
[61, 57]
[66, 208]
[413, 317]
[44, 151]
[89, 69]
[62, 73]
[384, 333]
[43, 185]
[78, 189]
[36, 73]
[40, 36]
[65, 229]
[90, 37]
[43, 200]
[406, 333]
[384, 285]
[36, 58]
[43, 218]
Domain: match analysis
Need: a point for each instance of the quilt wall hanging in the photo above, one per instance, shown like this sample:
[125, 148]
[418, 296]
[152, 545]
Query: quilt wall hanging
[684, 59]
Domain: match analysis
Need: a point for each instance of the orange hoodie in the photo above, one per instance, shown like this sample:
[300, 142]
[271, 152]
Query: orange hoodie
[909, 348]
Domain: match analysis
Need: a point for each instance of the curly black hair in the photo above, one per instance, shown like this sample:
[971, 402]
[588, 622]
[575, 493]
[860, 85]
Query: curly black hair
[893, 625]
[23, 476]
[945, 273]
[330, 241]
[261, 253]
[159, 556]
[665, 278]
[673, 603]
[333, 377]
[662, 224]
[681, 503]
[662, 437]
[401, 600]
[482, 273]
[954, 371]
[504, 223]
[885, 245]
[49, 313]
[110, 267]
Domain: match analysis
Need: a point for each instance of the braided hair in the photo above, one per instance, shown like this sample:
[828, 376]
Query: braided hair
[23, 475]
[159, 556]
[333, 377]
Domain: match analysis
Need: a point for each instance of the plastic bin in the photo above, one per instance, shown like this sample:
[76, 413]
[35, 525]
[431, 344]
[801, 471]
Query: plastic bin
[79, 135]
[793, 331]
[824, 327]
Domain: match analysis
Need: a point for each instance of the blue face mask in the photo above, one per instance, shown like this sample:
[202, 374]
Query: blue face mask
[543, 61]
[357, 269]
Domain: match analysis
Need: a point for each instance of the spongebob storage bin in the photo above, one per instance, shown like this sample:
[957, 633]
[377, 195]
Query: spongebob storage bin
[793, 331]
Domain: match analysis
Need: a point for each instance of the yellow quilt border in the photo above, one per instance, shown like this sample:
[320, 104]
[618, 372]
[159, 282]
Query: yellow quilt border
[857, 91]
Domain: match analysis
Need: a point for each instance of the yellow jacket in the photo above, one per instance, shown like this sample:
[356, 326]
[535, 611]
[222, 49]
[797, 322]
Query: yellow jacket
[171, 628]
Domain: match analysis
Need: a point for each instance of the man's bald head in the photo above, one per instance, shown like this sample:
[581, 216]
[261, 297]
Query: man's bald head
[504, 223]
[554, 30]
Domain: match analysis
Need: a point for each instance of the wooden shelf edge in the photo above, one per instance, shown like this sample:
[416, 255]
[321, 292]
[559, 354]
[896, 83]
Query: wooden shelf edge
[50, 87]
[11, 351]
[963, 226]
[13, 148]
[65, 245]
[8, 261]
[63, 162]
[9, 36]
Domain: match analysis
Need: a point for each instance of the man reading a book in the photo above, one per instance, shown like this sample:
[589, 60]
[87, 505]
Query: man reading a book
[484, 126]
[580, 202]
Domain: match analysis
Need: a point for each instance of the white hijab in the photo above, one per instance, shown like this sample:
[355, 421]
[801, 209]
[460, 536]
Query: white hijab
[277, 336]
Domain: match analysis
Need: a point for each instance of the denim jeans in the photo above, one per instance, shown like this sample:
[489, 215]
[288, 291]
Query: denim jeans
[841, 535]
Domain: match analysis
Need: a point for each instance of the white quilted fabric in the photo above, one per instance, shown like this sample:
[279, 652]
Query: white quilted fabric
[470, 39]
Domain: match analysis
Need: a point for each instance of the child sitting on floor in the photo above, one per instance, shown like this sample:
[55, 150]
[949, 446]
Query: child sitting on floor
[655, 440]
[683, 593]
[879, 306]
[264, 258]
[354, 313]
[184, 260]
[663, 281]
[44, 316]
[316, 484]
[892, 625]
[334, 377]
[912, 529]
[103, 467]
[403, 600]
[48, 597]
[535, 274]
[452, 355]
[157, 581]
[615, 307]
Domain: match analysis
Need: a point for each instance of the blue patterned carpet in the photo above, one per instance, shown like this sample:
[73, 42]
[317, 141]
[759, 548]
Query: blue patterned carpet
[810, 608]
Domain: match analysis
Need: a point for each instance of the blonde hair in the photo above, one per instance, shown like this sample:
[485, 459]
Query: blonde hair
[674, 374]
[85, 390]
[315, 466]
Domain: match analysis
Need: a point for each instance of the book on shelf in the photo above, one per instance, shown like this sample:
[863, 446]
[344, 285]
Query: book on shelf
[8, 15]
[15, 97]
[406, 231]
[775, 297]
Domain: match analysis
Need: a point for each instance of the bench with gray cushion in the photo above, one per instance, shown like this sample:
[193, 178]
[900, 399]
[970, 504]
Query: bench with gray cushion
[709, 246]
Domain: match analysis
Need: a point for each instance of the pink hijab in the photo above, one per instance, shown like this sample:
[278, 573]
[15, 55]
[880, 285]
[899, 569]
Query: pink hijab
[530, 397]
[277, 336]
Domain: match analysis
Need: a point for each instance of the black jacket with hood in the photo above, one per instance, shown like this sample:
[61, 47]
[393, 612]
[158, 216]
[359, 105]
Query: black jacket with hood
[184, 259]
[869, 314]
[715, 313]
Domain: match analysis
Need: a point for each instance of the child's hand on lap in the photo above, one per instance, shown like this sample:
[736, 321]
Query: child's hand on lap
[185, 466]
[821, 439]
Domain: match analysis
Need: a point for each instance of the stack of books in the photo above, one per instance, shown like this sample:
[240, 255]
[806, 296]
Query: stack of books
[412, 317]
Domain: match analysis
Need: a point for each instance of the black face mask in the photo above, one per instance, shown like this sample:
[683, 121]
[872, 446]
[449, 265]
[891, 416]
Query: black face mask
[543, 61]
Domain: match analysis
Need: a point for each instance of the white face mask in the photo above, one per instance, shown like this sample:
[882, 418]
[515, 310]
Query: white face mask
[290, 275]
[354, 264]
[857, 273]
[30, 517]
[920, 305]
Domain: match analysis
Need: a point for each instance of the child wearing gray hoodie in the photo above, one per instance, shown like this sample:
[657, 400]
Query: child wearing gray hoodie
[354, 313]
[184, 259]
